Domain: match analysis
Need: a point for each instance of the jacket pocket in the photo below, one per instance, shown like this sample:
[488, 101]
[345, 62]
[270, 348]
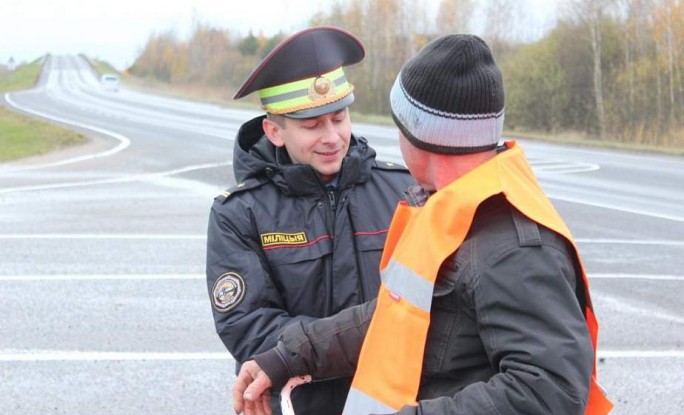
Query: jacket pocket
[300, 274]
[292, 253]
[370, 241]
[369, 247]
[442, 327]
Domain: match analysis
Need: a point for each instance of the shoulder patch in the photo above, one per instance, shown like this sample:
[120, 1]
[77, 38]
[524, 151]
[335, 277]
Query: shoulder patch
[228, 292]
[238, 188]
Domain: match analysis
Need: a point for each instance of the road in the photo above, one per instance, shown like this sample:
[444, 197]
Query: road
[104, 303]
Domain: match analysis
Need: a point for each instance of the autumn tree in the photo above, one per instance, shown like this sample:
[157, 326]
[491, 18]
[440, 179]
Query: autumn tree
[610, 69]
[502, 23]
[590, 13]
[536, 84]
[386, 29]
[270, 43]
[455, 16]
[249, 45]
[156, 59]
[208, 51]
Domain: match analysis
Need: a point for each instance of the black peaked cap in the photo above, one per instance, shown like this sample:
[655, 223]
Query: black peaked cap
[305, 54]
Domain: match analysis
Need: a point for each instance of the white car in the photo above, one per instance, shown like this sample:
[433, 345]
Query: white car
[110, 82]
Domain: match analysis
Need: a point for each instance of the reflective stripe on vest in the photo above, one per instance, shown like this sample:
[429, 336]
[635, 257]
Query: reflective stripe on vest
[419, 240]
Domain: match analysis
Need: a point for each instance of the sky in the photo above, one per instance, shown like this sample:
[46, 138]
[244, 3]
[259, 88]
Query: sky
[117, 30]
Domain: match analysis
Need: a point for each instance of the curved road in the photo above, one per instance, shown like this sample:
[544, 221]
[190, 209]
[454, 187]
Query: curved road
[104, 302]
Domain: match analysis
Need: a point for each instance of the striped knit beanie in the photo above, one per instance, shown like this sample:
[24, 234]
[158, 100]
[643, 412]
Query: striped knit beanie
[449, 98]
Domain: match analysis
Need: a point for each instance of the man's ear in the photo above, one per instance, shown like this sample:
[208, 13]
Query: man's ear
[272, 131]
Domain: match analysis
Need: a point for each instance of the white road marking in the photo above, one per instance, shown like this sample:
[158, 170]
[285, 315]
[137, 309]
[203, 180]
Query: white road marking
[80, 356]
[194, 186]
[202, 236]
[154, 178]
[615, 207]
[61, 356]
[637, 354]
[550, 167]
[637, 308]
[100, 277]
[123, 141]
[629, 241]
[99, 236]
[85, 277]
[652, 277]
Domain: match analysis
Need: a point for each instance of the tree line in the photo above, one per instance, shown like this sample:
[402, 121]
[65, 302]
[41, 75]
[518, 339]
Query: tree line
[607, 69]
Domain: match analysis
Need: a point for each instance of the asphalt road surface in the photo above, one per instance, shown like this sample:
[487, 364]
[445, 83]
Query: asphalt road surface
[102, 292]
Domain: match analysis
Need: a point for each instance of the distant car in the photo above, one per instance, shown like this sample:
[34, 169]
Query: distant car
[110, 82]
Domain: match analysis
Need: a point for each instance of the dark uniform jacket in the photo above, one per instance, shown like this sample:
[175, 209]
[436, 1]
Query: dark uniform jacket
[507, 332]
[282, 248]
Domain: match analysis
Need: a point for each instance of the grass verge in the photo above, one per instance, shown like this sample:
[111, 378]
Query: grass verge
[22, 136]
[100, 66]
[23, 77]
[582, 140]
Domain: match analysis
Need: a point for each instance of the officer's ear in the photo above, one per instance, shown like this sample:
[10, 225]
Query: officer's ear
[272, 126]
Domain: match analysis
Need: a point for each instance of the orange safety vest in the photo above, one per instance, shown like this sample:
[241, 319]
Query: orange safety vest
[419, 240]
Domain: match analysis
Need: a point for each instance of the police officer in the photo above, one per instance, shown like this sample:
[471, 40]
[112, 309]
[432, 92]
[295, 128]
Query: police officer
[301, 234]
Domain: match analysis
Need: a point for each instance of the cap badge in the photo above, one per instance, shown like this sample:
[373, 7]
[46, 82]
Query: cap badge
[321, 88]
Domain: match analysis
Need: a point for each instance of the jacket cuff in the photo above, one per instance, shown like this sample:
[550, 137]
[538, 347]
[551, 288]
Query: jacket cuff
[273, 364]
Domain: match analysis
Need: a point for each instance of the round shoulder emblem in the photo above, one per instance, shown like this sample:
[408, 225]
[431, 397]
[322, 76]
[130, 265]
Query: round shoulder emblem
[228, 292]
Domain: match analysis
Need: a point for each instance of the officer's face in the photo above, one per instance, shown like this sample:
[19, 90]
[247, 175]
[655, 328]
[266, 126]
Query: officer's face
[321, 142]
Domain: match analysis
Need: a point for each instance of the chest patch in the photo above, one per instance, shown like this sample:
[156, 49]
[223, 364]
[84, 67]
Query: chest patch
[228, 292]
[278, 238]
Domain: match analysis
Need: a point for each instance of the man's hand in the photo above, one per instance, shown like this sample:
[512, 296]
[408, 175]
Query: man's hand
[251, 392]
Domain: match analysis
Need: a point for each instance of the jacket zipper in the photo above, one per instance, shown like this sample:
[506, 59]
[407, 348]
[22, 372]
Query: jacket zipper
[331, 198]
[331, 219]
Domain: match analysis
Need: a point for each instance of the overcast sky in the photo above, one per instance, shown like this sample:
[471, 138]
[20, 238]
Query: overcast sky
[117, 30]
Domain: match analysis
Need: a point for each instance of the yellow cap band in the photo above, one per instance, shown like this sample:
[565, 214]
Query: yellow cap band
[306, 93]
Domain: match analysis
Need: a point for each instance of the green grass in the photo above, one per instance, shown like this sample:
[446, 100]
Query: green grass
[23, 136]
[582, 140]
[24, 77]
[100, 66]
[371, 119]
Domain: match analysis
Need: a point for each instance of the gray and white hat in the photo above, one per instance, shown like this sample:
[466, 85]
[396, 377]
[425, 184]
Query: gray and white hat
[449, 98]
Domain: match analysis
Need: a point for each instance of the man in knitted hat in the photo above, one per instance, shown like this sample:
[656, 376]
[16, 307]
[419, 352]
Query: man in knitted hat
[301, 234]
[484, 305]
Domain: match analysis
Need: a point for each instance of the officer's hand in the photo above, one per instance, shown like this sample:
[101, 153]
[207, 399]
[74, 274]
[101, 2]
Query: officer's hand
[251, 392]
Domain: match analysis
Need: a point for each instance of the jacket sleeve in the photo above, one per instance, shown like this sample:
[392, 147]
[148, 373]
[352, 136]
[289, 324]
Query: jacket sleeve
[324, 348]
[534, 332]
[252, 320]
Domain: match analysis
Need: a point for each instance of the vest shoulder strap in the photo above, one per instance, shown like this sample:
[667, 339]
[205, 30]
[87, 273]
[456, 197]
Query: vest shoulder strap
[528, 230]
